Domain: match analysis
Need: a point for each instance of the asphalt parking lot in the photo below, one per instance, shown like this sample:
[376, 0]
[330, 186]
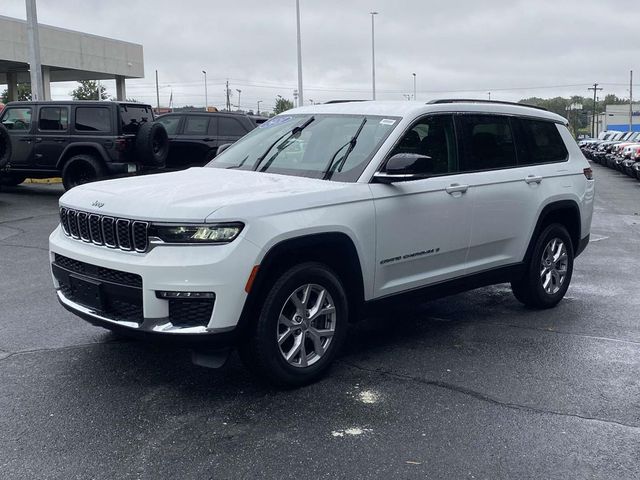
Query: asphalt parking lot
[471, 386]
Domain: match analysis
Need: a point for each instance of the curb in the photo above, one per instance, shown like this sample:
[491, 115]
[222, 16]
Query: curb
[43, 180]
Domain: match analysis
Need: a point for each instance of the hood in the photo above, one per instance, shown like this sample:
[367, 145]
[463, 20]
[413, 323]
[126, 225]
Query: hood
[189, 195]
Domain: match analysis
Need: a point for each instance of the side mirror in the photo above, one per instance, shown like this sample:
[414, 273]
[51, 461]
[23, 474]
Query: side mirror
[223, 147]
[403, 167]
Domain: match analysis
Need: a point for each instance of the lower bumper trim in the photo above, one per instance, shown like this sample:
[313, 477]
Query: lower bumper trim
[151, 328]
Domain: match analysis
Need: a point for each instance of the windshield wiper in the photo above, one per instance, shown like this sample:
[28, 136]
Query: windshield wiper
[328, 172]
[296, 130]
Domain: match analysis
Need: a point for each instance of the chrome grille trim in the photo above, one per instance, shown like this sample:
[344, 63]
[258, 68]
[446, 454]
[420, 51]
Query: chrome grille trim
[83, 226]
[95, 229]
[105, 231]
[124, 241]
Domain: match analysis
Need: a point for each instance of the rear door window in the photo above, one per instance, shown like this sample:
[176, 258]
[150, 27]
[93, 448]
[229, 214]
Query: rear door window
[170, 123]
[17, 119]
[54, 119]
[196, 125]
[93, 119]
[487, 142]
[230, 127]
[541, 143]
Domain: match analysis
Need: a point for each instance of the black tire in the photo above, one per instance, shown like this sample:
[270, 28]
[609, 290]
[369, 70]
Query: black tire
[261, 352]
[152, 144]
[82, 169]
[5, 146]
[10, 180]
[530, 289]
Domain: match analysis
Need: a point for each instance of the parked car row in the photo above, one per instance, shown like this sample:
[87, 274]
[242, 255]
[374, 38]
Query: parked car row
[87, 141]
[619, 150]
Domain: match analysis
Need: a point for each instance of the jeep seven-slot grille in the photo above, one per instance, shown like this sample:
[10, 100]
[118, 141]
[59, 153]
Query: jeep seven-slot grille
[111, 232]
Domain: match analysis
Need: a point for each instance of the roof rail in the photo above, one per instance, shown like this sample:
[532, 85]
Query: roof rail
[478, 100]
[344, 101]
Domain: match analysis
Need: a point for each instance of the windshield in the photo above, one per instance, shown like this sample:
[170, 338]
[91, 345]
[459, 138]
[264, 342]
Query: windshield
[275, 147]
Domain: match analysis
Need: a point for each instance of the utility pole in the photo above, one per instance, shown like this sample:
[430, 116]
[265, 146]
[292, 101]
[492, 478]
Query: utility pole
[414, 86]
[157, 93]
[206, 96]
[595, 89]
[228, 100]
[35, 65]
[300, 97]
[239, 92]
[373, 54]
[259, 102]
[631, 101]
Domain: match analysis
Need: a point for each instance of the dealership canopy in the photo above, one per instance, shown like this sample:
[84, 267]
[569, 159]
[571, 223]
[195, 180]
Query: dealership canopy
[66, 55]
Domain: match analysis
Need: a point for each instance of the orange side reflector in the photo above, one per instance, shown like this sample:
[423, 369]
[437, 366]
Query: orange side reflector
[252, 277]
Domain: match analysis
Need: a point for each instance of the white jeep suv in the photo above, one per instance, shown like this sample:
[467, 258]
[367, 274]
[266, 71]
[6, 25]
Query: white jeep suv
[278, 243]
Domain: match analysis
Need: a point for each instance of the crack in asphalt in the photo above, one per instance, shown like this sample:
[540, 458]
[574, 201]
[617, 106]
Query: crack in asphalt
[4, 222]
[536, 329]
[2, 244]
[482, 396]
[55, 349]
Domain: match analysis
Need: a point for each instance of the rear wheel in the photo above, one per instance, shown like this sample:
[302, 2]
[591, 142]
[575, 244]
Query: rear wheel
[549, 271]
[300, 328]
[82, 169]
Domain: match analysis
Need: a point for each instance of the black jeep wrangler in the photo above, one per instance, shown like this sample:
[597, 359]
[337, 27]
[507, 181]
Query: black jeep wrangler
[81, 141]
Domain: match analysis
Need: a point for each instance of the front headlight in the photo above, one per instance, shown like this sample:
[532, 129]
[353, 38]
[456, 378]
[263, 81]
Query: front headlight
[214, 233]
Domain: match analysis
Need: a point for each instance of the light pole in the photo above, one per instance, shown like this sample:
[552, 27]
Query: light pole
[489, 93]
[239, 92]
[259, 102]
[373, 54]
[300, 97]
[35, 66]
[414, 86]
[206, 96]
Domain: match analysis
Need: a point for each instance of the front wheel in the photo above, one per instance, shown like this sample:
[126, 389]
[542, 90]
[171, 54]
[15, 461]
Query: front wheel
[549, 270]
[300, 328]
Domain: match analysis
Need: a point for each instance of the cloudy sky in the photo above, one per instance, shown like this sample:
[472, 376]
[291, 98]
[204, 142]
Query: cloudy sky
[459, 48]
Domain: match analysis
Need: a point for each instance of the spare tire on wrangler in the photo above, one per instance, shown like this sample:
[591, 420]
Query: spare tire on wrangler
[5, 146]
[152, 144]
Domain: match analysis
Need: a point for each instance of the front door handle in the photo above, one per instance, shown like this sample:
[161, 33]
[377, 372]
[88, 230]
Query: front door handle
[456, 188]
[533, 179]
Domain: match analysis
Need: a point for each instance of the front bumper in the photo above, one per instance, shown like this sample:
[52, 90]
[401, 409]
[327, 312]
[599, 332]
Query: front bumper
[221, 269]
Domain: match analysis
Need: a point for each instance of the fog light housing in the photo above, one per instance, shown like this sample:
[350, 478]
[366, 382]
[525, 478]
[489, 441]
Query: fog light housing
[166, 295]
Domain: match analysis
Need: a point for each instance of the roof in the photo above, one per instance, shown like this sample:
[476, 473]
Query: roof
[76, 102]
[413, 108]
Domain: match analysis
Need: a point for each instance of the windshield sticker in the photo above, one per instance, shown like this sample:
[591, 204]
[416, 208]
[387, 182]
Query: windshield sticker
[387, 121]
[276, 121]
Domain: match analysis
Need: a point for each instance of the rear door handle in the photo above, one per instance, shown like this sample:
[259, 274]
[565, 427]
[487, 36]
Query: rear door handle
[456, 188]
[26, 140]
[533, 179]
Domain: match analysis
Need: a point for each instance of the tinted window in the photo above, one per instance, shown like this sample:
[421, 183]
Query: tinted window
[487, 142]
[93, 119]
[170, 123]
[230, 127]
[133, 116]
[196, 125]
[434, 137]
[17, 119]
[542, 143]
[53, 119]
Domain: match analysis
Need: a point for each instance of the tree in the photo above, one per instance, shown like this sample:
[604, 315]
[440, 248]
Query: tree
[24, 93]
[282, 105]
[88, 90]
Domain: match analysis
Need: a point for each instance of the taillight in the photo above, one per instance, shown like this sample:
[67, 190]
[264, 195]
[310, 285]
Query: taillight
[588, 173]
[121, 144]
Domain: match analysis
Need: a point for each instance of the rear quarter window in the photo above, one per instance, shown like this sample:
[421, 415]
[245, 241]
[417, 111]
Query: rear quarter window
[93, 119]
[542, 143]
[133, 116]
